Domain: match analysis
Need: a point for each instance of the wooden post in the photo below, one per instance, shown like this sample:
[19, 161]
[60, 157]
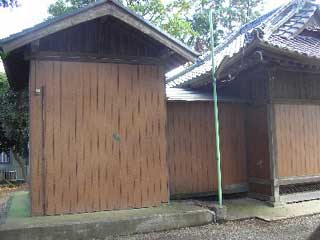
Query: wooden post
[272, 140]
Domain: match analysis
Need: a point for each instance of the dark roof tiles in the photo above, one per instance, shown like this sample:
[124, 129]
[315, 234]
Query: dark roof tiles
[280, 29]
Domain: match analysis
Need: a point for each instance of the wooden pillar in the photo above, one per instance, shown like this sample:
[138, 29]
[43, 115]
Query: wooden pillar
[275, 198]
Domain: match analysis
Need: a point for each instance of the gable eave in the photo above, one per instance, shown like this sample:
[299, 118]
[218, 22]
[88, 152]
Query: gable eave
[91, 12]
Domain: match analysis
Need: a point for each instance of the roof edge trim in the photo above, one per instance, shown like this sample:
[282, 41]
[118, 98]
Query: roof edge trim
[93, 11]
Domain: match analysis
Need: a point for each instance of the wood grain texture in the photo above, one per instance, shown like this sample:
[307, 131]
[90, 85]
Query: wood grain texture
[191, 146]
[258, 142]
[104, 137]
[296, 85]
[36, 142]
[297, 136]
[102, 36]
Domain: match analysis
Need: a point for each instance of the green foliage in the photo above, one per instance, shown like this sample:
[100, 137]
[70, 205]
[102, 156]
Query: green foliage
[228, 16]
[4, 86]
[3, 55]
[13, 119]
[62, 6]
[153, 10]
[186, 20]
[170, 17]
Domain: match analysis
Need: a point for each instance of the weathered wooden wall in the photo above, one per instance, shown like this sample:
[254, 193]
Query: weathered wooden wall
[295, 86]
[101, 144]
[297, 138]
[191, 146]
[258, 149]
[252, 86]
[109, 39]
[103, 36]
[296, 112]
[257, 137]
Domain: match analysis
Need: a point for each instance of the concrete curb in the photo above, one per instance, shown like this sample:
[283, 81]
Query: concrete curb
[106, 228]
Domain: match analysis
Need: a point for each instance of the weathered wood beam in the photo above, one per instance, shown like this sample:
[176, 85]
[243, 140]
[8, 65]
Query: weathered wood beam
[284, 55]
[295, 101]
[228, 189]
[84, 57]
[296, 68]
[272, 140]
[273, 153]
[298, 197]
[298, 180]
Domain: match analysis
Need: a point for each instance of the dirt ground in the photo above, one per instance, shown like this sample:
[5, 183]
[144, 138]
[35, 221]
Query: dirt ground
[292, 229]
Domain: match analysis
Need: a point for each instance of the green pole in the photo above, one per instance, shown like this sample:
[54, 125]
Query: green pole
[216, 110]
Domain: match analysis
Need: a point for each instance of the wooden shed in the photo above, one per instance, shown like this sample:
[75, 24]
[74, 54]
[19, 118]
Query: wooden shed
[97, 108]
[270, 69]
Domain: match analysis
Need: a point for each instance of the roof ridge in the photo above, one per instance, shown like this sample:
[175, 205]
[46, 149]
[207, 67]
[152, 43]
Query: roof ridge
[206, 56]
[273, 24]
[295, 24]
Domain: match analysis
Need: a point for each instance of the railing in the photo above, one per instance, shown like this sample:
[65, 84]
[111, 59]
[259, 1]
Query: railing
[8, 175]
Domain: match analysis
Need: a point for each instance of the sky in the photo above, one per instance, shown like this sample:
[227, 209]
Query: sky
[31, 12]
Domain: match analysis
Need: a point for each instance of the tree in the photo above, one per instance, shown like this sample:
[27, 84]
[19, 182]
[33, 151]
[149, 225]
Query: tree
[62, 6]
[8, 3]
[4, 86]
[170, 17]
[187, 20]
[227, 17]
[14, 122]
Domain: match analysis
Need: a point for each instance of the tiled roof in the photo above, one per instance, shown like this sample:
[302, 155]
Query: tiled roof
[279, 28]
[313, 27]
[297, 22]
[298, 44]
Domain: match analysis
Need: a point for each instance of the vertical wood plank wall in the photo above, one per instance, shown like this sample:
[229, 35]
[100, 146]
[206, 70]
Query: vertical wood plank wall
[257, 138]
[297, 112]
[104, 137]
[191, 146]
[258, 150]
[297, 138]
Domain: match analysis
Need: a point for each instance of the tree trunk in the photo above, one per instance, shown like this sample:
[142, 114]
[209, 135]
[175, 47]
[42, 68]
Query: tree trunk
[22, 164]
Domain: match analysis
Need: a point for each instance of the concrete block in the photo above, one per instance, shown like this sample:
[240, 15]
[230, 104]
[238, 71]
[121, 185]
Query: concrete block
[220, 211]
[104, 225]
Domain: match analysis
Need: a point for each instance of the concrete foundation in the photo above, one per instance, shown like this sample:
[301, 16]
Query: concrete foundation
[220, 211]
[100, 225]
[246, 208]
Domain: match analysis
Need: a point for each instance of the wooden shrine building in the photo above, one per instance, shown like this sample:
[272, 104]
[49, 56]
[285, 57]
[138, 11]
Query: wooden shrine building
[97, 108]
[269, 97]
[104, 136]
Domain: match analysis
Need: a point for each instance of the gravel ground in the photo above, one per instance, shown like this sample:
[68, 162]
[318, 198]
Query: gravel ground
[297, 228]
